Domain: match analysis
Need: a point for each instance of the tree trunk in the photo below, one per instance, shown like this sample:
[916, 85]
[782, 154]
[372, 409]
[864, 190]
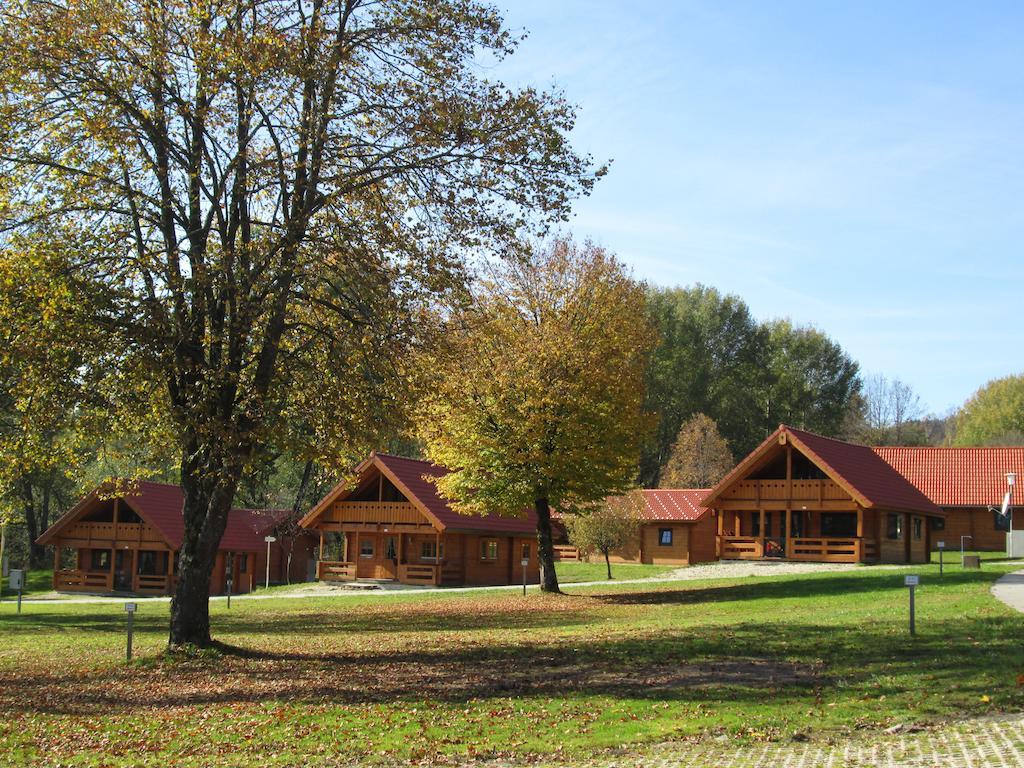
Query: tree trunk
[545, 548]
[608, 563]
[207, 503]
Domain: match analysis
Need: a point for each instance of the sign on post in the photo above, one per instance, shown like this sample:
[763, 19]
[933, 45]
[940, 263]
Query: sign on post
[524, 562]
[130, 608]
[911, 582]
[942, 548]
[17, 581]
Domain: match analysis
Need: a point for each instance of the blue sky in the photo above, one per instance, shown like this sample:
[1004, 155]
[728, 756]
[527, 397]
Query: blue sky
[855, 166]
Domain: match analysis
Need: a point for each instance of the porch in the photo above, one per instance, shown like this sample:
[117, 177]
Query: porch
[817, 550]
[811, 535]
[420, 574]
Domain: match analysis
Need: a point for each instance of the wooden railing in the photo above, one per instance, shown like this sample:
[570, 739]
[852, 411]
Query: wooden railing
[418, 574]
[741, 547]
[373, 512]
[758, 491]
[566, 552]
[109, 532]
[84, 581]
[156, 585]
[821, 549]
[826, 550]
[328, 570]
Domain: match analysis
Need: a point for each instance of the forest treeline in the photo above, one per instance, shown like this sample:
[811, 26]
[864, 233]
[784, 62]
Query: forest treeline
[718, 381]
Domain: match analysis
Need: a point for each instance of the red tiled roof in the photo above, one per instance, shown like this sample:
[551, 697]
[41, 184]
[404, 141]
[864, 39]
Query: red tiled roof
[861, 471]
[677, 504]
[959, 477]
[413, 474]
[865, 471]
[161, 505]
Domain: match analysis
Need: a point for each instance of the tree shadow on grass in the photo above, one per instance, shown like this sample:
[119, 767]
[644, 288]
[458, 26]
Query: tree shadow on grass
[753, 663]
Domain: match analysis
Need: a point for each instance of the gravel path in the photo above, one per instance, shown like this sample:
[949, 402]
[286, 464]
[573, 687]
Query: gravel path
[731, 569]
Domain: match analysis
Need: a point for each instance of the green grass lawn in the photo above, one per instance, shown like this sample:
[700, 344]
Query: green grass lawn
[433, 676]
[570, 572]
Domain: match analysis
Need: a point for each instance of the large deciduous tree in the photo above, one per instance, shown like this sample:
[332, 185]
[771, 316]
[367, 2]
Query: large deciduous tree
[700, 456]
[538, 394]
[257, 202]
[813, 381]
[994, 415]
[712, 359]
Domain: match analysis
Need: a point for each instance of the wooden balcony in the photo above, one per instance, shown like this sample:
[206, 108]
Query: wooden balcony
[374, 512]
[778, 494]
[816, 550]
[109, 534]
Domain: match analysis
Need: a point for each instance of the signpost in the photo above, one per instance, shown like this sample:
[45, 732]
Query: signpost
[17, 581]
[129, 608]
[270, 540]
[524, 562]
[911, 582]
[942, 548]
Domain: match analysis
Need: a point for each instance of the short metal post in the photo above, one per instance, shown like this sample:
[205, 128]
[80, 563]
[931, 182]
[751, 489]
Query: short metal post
[911, 582]
[131, 630]
[912, 628]
[229, 593]
[130, 610]
[19, 598]
[942, 548]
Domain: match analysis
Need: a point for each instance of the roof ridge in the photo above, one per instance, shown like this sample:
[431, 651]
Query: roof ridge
[826, 437]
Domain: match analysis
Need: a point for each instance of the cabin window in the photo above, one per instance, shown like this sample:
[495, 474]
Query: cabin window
[526, 552]
[100, 560]
[489, 549]
[243, 563]
[665, 537]
[937, 523]
[1001, 521]
[894, 526]
[918, 526]
[366, 547]
[755, 527]
[428, 550]
[838, 524]
[390, 552]
[147, 563]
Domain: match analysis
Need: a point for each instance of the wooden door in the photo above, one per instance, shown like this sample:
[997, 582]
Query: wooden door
[389, 558]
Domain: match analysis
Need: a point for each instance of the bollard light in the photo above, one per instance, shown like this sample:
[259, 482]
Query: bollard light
[129, 608]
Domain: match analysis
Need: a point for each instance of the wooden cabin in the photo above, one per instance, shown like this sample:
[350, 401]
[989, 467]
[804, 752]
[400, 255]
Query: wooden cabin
[674, 530]
[968, 484]
[801, 496]
[391, 524]
[129, 543]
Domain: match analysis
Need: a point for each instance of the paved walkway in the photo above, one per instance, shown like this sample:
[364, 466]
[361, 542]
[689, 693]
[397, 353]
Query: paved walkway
[1010, 590]
[723, 569]
[984, 743]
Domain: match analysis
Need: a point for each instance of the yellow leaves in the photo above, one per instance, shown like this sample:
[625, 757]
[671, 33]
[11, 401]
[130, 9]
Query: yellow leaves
[538, 388]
